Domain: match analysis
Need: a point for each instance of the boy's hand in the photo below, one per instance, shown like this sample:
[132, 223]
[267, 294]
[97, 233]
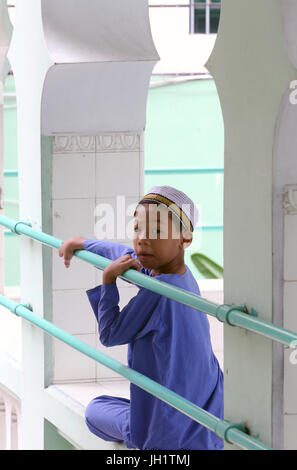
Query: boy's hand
[118, 266]
[68, 246]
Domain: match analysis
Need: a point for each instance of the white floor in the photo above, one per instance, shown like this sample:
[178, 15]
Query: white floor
[83, 393]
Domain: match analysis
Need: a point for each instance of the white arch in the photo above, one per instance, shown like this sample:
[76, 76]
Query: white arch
[95, 67]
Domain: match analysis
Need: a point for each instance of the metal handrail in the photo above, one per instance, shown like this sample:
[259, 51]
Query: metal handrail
[230, 432]
[234, 315]
[184, 170]
[14, 172]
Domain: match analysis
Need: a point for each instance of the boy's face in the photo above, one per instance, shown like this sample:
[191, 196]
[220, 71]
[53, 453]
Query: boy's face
[158, 240]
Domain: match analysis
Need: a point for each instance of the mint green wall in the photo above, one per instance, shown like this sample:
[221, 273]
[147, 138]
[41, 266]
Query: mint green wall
[184, 129]
[11, 243]
[53, 440]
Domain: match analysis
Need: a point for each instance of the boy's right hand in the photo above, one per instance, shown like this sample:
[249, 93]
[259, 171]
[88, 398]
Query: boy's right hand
[68, 246]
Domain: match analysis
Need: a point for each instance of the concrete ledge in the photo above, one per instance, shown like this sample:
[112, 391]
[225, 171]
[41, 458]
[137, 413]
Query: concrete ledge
[64, 409]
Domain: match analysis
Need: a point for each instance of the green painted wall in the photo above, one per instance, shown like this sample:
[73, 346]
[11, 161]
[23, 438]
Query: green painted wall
[53, 440]
[184, 130]
[11, 243]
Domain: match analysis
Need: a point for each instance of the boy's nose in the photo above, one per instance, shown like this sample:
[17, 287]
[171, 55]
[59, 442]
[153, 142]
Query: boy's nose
[141, 238]
[142, 234]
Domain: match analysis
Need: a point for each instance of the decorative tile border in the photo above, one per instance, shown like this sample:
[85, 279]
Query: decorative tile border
[74, 144]
[104, 143]
[118, 142]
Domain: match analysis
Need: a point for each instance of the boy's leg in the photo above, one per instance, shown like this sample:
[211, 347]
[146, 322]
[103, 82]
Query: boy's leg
[109, 418]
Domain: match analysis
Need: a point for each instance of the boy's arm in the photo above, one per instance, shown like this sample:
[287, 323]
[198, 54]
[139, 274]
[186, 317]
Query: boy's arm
[107, 249]
[111, 250]
[121, 327]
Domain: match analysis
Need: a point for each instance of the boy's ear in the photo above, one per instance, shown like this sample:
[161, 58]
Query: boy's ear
[187, 238]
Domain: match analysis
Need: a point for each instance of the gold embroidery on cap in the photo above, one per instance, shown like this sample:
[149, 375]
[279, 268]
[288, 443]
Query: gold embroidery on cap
[179, 212]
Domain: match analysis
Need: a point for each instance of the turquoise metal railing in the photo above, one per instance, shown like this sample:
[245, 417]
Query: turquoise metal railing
[161, 171]
[206, 227]
[10, 172]
[234, 315]
[231, 432]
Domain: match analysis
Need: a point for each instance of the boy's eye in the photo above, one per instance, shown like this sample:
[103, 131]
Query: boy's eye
[137, 229]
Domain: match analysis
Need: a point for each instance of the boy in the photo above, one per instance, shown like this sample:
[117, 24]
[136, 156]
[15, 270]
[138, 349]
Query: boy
[167, 341]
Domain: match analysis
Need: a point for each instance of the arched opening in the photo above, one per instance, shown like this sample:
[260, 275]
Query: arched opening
[10, 196]
[184, 136]
[10, 192]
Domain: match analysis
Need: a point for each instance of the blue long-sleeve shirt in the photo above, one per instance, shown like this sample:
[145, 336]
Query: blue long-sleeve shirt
[168, 342]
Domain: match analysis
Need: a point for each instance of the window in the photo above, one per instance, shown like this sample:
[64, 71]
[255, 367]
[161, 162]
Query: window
[204, 16]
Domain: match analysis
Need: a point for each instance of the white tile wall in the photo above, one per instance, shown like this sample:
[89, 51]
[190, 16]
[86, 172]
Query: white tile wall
[72, 312]
[73, 217]
[71, 364]
[117, 174]
[73, 176]
[87, 172]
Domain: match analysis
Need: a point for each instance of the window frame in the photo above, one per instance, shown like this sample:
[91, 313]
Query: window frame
[207, 5]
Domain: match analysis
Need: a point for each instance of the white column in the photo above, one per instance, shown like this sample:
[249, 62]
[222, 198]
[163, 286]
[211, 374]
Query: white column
[285, 225]
[258, 162]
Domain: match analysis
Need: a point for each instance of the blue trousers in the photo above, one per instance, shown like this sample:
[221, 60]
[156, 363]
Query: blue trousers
[109, 418]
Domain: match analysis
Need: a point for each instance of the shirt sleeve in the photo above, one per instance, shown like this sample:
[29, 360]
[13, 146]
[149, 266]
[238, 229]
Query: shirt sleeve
[106, 248]
[134, 320]
[111, 250]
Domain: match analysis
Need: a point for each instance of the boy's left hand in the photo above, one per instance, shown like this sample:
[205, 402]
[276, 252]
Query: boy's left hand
[118, 266]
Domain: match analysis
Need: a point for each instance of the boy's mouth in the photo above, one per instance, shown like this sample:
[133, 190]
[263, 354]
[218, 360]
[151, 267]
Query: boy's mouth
[144, 255]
